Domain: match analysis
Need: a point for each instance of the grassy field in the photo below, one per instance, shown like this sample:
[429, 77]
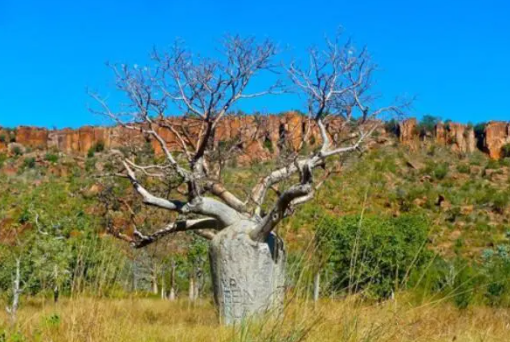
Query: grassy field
[144, 319]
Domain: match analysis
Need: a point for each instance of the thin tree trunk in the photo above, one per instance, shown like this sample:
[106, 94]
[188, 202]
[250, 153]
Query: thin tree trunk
[55, 287]
[317, 286]
[163, 289]
[191, 291]
[135, 277]
[13, 310]
[172, 282]
[155, 289]
[198, 277]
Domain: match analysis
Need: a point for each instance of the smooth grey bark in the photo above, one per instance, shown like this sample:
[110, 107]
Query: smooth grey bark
[248, 276]
[317, 286]
[16, 292]
[155, 289]
[191, 287]
[163, 287]
[171, 296]
[198, 275]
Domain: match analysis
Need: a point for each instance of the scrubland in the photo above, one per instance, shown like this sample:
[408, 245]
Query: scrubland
[431, 229]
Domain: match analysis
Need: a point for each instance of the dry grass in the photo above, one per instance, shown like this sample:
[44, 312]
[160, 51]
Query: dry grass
[90, 319]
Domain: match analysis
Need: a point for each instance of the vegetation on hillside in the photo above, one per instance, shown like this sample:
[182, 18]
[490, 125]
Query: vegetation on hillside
[426, 222]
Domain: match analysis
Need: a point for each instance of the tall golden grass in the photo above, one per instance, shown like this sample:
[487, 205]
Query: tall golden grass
[146, 319]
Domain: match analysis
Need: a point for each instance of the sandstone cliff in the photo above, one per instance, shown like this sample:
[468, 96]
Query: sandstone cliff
[497, 134]
[259, 137]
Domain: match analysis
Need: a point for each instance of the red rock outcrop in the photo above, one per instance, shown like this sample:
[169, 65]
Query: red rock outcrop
[407, 131]
[440, 134]
[4, 139]
[259, 137]
[461, 138]
[497, 135]
[33, 137]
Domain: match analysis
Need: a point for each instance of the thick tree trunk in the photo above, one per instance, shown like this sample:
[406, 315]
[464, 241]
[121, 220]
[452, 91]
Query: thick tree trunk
[248, 276]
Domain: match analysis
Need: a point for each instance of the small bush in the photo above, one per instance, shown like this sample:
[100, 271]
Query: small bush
[17, 151]
[440, 171]
[391, 127]
[29, 163]
[500, 202]
[51, 157]
[3, 158]
[493, 165]
[428, 124]
[464, 168]
[506, 151]
[90, 164]
[268, 145]
[464, 285]
[376, 254]
[97, 147]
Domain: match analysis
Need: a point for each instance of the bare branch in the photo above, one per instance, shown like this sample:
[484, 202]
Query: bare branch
[261, 231]
[229, 198]
[139, 240]
[150, 199]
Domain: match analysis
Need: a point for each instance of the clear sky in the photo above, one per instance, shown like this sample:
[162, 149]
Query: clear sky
[453, 55]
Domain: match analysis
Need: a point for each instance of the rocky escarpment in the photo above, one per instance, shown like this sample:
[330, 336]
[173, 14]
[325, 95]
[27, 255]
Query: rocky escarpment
[258, 137]
[497, 135]
[460, 137]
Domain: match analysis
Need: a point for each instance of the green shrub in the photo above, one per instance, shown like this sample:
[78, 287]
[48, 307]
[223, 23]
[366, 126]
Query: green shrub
[427, 124]
[464, 168]
[374, 254]
[464, 285]
[29, 163]
[496, 270]
[17, 151]
[51, 157]
[506, 151]
[268, 145]
[493, 165]
[500, 202]
[3, 158]
[440, 171]
[391, 127]
[97, 147]
[90, 164]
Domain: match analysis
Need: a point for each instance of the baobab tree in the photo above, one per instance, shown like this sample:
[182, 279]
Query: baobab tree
[246, 255]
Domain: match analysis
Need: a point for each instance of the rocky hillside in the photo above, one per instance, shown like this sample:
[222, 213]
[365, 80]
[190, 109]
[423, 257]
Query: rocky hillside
[259, 137]
[461, 138]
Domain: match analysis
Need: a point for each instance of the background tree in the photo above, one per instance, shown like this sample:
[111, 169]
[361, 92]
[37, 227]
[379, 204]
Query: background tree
[247, 257]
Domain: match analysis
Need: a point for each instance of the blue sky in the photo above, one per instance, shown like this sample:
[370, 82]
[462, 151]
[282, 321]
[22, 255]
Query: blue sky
[453, 55]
